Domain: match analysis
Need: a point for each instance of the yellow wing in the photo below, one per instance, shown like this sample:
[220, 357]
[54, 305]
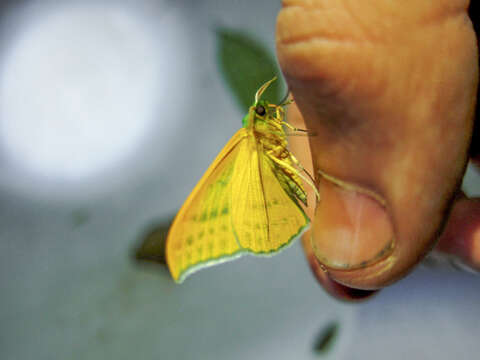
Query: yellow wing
[265, 218]
[201, 234]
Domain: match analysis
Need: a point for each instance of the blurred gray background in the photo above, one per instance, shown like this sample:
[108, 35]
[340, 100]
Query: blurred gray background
[110, 111]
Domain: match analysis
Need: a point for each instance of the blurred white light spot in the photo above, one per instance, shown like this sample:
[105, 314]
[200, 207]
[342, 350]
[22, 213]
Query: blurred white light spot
[79, 90]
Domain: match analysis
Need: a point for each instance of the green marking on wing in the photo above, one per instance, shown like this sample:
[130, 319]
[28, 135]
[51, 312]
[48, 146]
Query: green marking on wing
[272, 252]
[235, 255]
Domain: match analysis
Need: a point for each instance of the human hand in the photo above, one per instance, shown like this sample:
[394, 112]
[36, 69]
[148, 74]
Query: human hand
[389, 89]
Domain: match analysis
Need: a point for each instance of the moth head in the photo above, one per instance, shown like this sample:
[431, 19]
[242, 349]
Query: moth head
[263, 111]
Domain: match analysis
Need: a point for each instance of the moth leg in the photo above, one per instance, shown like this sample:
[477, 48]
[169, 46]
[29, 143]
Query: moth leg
[297, 163]
[294, 129]
[279, 123]
[302, 133]
[287, 166]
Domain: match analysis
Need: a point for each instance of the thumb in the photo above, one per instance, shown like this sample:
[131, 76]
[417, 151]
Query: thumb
[389, 89]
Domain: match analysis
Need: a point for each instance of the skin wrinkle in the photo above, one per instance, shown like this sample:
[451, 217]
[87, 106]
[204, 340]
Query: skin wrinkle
[308, 40]
[324, 30]
[360, 31]
[365, 30]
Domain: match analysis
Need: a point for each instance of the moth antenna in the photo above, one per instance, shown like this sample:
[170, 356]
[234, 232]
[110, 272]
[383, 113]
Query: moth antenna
[285, 100]
[264, 87]
[309, 175]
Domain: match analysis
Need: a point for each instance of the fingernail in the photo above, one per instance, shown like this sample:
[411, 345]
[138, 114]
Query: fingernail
[351, 229]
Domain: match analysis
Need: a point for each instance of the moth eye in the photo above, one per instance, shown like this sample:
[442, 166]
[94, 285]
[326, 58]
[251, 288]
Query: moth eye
[260, 110]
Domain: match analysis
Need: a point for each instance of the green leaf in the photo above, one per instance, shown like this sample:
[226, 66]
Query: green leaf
[245, 65]
[80, 217]
[152, 243]
[326, 338]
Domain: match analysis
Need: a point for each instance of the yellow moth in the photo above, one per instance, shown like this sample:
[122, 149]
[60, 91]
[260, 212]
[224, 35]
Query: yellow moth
[246, 202]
